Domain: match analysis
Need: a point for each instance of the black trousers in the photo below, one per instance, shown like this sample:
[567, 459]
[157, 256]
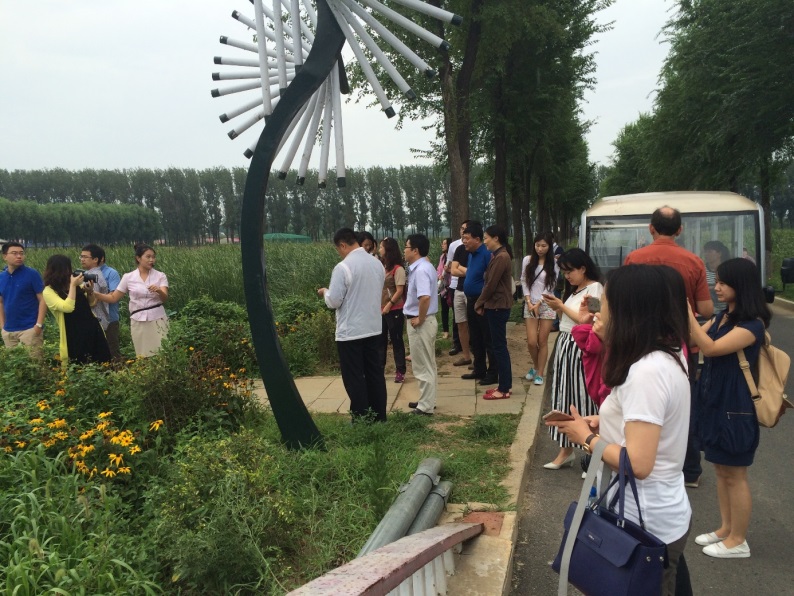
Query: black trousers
[480, 340]
[444, 307]
[393, 327]
[362, 376]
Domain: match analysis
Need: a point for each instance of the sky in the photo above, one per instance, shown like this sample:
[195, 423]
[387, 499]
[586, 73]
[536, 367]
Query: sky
[126, 83]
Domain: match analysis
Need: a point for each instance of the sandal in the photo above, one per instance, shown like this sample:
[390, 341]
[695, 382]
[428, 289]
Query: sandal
[493, 395]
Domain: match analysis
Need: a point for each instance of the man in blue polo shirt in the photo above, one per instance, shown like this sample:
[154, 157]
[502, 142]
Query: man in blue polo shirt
[22, 307]
[479, 333]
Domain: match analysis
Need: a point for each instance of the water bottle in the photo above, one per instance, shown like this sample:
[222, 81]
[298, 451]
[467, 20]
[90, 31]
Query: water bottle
[592, 499]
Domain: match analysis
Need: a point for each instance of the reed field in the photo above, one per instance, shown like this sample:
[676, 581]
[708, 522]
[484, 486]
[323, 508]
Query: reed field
[215, 271]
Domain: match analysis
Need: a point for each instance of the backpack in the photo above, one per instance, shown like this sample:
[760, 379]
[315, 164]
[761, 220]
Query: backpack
[768, 394]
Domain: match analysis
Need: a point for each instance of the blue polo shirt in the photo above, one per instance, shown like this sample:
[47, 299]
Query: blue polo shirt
[18, 290]
[475, 271]
[114, 279]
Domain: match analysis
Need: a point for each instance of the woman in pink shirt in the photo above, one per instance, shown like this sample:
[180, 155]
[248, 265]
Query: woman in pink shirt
[148, 290]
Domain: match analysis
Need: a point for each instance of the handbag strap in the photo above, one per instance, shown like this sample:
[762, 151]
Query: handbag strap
[748, 375]
[576, 522]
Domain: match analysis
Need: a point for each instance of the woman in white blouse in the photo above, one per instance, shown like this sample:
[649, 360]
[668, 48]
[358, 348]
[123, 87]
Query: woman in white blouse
[148, 290]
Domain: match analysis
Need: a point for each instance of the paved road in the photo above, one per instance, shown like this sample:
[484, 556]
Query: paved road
[771, 536]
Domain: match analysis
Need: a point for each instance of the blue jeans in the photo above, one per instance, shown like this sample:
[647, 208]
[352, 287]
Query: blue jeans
[497, 323]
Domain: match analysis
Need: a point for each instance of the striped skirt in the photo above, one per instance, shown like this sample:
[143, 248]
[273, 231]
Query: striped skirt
[568, 384]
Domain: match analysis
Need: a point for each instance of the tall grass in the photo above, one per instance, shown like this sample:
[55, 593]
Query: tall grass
[216, 271]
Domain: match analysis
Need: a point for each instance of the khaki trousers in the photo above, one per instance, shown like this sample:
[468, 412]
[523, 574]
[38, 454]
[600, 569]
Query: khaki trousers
[33, 338]
[422, 341]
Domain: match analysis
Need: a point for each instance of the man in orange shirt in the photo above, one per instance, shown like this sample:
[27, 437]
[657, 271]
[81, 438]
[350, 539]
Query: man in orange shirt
[665, 226]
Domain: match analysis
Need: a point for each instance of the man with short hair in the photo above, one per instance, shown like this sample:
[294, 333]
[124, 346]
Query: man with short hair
[112, 278]
[355, 293]
[457, 346]
[421, 306]
[22, 306]
[90, 264]
[457, 268]
[479, 332]
[665, 226]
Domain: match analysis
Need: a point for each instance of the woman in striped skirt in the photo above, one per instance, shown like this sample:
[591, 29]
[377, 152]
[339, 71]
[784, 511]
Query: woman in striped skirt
[568, 381]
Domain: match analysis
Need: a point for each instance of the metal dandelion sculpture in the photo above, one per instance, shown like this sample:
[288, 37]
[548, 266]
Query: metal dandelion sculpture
[293, 78]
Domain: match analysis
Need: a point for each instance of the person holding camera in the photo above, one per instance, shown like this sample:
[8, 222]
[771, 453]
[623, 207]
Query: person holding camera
[70, 296]
[148, 290]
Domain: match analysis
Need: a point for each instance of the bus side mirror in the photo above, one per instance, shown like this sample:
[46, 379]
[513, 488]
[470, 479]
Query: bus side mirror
[769, 294]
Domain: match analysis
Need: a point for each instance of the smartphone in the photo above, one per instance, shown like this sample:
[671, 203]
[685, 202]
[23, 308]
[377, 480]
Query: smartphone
[593, 304]
[548, 296]
[557, 416]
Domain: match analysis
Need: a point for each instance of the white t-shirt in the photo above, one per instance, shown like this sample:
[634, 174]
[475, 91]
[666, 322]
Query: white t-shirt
[453, 283]
[575, 300]
[656, 390]
[537, 288]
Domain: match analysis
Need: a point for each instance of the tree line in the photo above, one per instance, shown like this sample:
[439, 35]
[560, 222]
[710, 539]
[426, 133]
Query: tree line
[187, 206]
[723, 116]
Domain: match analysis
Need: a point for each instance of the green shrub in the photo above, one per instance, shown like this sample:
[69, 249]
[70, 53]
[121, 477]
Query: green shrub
[223, 521]
[217, 329]
[60, 535]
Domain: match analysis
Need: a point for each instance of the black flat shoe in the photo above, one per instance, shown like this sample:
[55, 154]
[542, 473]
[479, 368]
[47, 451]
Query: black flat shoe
[413, 404]
[489, 380]
[472, 375]
[454, 351]
[420, 412]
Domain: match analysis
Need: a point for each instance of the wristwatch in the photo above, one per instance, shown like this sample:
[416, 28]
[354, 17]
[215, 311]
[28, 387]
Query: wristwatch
[588, 440]
[40, 326]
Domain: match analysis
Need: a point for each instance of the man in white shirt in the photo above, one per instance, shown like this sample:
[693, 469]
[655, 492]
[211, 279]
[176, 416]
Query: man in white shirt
[421, 306]
[355, 293]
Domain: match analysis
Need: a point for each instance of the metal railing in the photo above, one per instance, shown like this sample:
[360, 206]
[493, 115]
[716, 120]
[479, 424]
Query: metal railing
[415, 565]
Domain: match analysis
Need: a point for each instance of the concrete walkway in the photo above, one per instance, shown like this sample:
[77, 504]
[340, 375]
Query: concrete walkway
[484, 567]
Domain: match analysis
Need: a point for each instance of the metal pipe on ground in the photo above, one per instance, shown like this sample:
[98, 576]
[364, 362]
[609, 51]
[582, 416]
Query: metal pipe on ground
[403, 511]
[431, 509]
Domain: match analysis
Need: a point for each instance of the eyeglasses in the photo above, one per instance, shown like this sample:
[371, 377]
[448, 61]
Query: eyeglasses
[16, 253]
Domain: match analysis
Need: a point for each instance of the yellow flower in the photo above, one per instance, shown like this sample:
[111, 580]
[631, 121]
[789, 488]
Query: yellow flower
[36, 420]
[60, 393]
[43, 405]
[191, 348]
[124, 470]
[134, 449]
[35, 429]
[8, 449]
[108, 473]
[87, 434]
[156, 425]
[20, 444]
[105, 392]
[103, 425]
[105, 414]
[61, 436]
[116, 460]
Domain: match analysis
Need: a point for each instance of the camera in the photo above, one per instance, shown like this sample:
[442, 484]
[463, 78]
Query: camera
[92, 277]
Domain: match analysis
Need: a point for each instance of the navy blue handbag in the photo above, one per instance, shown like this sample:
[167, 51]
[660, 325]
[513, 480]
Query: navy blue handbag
[602, 553]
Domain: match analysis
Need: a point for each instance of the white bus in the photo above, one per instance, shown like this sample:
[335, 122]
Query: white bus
[614, 226]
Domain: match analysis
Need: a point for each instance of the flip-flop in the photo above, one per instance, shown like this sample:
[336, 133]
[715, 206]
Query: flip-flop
[492, 395]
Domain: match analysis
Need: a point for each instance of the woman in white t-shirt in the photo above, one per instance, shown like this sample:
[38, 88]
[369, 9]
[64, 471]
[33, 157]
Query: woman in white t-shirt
[539, 273]
[568, 383]
[644, 314]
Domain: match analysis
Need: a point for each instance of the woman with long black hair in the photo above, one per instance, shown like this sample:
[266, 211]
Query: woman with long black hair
[70, 300]
[569, 387]
[726, 419]
[392, 303]
[644, 313]
[495, 301]
[539, 273]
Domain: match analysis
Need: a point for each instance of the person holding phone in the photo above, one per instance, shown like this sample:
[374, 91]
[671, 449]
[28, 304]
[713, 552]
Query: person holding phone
[569, 387]
[647, 411]
[539, 271]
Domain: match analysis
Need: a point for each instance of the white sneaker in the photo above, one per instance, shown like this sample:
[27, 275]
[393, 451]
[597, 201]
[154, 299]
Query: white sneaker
[530, 376]
[706, 539]
[720, 551]
[538, 380]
